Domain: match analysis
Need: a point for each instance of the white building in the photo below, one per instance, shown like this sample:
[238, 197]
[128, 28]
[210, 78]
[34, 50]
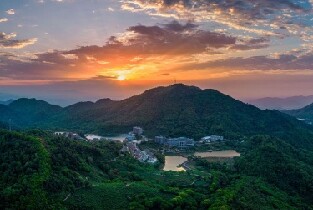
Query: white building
[69, 135]
[92, 137]
[60, 133]
[212, 138]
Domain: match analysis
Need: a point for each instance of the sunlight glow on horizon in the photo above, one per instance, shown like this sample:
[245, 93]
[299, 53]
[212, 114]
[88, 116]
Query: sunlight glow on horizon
[155, 42]
[121, 77]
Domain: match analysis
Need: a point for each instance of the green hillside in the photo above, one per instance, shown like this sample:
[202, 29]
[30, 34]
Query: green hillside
[305, 114]
[24, 164]
[28, 112]
[176, 110]
[39, 171]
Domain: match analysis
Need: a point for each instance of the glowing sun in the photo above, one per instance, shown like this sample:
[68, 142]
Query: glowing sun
[121, 77]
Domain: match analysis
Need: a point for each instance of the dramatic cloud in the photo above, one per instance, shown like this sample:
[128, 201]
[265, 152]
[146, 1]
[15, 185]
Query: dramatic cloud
[3, 20]
[168, 39]
[267, 17]
[162, 40]
[141, 51]
[251, 44]
[45, 66]
[140, 47]
[7, 41]
[302, 61]
[10, 12]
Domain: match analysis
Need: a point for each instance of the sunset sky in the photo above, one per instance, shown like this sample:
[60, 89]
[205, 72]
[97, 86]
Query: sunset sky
[66, 51]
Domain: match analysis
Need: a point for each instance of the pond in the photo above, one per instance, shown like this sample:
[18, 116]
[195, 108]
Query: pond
[172, 163]
[219, 154]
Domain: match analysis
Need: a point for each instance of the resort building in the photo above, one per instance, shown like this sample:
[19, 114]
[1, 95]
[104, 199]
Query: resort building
[212, 138]
[160, 139]
[180, 142]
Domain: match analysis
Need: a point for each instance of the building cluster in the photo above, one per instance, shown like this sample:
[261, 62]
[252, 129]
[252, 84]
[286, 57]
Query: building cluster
[69, 135]
[142, 156]
[212, 138]
[180, 142]
[183, 142]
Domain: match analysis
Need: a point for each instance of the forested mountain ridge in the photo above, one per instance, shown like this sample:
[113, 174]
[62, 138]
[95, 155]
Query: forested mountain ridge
[28, 112]
[175, 110]
[304, 114]
[274, 171]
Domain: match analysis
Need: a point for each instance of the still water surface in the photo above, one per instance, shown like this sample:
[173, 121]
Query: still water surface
[171, 163]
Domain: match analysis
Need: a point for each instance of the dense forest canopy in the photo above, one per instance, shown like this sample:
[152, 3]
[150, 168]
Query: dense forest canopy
[73, 174]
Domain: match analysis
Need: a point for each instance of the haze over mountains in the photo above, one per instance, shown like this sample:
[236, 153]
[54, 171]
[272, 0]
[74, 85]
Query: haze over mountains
[294, 102]
[6, 102]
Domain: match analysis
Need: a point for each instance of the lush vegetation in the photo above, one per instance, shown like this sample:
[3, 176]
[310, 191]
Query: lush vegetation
[41, 171]
[24, 166]
[28, 112]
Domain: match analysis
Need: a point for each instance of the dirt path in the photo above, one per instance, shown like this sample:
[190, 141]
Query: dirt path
[67, 197]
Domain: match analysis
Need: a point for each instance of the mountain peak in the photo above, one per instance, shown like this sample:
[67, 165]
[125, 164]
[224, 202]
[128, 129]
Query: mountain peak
[175, 110]
[104, 100]
[183, 86]
[172, 89]
[22, 102]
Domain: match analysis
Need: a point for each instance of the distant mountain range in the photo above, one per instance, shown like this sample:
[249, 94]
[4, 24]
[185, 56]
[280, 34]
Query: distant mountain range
[294, 102]
[176, 110]
[6, 102]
